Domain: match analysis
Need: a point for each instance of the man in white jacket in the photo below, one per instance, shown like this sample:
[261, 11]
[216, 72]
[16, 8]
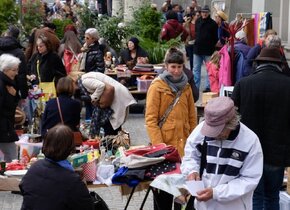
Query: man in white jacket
[234, 158]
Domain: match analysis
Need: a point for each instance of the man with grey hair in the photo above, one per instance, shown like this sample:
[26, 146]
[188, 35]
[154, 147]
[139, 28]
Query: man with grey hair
[8, 102]
[226, 155]
[262, 99]
[273, 41]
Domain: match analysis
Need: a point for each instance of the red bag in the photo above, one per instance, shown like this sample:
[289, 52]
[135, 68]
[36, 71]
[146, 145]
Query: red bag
[70, 59]
[90, 171]
[171, 153]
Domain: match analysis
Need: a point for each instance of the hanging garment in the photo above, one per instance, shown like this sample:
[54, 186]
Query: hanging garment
[225, 73]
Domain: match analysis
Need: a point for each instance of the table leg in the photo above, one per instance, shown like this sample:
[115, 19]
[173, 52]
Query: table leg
[129, 199]
[145, 198]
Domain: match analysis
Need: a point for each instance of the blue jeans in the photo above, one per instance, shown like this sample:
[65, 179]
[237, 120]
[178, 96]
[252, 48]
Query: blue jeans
[198, 59]
[266, 195]
[10, 151]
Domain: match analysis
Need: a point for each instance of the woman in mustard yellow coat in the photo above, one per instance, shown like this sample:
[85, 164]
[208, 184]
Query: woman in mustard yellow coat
[181, 120]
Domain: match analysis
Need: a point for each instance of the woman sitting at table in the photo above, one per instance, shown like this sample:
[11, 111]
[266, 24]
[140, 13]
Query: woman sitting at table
[109, 107]
[70, 108]
[51, 183]
[133, 54]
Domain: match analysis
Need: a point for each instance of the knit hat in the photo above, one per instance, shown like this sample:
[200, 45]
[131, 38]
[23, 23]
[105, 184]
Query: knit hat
[134, 40]
[217, 113]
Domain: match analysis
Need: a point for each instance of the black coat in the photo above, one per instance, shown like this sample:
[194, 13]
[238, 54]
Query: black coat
[263, 99]
[8, 105]
[206, 36]
[50, 67]
[48, 186]
[70, 109]
[95, 59]
[12, 46]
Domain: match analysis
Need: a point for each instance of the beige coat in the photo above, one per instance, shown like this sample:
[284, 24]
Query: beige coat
[179, 123]
[94, 82]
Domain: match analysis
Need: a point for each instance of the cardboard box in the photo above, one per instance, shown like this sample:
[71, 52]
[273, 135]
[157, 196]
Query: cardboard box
[207, 96]
[78, 159]
[143, 85]
[288, 182]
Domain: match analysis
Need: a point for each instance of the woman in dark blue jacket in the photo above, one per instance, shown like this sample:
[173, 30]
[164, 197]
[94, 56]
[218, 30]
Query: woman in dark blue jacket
[51, 183]
[70, 108]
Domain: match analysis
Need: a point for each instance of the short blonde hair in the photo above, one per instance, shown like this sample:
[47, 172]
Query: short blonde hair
[93, 32]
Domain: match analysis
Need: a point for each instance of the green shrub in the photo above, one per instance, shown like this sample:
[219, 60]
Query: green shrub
[146, 22]
[147, 25]
[86, 18]
[8, 14]
[109, 29]
[60, 25]
[33, 14]
[157, 50]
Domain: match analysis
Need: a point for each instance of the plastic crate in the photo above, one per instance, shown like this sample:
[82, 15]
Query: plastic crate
[143, 85]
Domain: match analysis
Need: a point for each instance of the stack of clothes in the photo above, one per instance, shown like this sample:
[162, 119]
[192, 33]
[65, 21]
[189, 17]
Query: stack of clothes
[143, 68]
[146, 163]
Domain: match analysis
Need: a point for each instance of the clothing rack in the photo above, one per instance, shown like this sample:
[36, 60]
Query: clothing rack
[244, 15]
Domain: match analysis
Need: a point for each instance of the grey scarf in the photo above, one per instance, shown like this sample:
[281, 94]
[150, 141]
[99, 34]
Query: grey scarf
[174, 84]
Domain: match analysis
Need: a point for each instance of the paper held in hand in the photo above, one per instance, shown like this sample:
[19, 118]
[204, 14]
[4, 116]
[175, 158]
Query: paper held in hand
[194, 186]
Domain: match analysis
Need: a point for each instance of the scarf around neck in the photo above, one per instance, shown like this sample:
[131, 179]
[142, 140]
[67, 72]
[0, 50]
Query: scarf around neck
[174, 84]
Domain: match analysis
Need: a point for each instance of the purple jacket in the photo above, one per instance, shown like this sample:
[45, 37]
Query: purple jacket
[243, 47]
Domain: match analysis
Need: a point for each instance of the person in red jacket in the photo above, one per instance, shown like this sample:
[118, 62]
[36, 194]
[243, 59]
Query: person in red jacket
[172, 28]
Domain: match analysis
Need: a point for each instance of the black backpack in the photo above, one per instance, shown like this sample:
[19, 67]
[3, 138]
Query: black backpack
[99, 203]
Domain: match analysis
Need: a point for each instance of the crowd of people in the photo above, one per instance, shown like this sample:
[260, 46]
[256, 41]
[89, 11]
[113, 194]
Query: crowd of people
[239, 150]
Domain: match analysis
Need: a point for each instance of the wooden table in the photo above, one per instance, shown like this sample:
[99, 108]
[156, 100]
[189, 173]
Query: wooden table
[131, 77]
[12, 184]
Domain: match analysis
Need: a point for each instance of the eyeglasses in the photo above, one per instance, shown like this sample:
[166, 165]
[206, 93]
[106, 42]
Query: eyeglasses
[86, 37]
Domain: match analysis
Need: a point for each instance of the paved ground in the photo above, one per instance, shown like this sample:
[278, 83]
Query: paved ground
[136, 126]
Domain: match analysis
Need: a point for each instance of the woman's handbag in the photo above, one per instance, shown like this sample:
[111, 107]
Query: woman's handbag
[99, 203]
[78, 138]
[48, 88]
[107, 96]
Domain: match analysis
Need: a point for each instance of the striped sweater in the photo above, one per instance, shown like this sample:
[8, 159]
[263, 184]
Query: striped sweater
[233, 170]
